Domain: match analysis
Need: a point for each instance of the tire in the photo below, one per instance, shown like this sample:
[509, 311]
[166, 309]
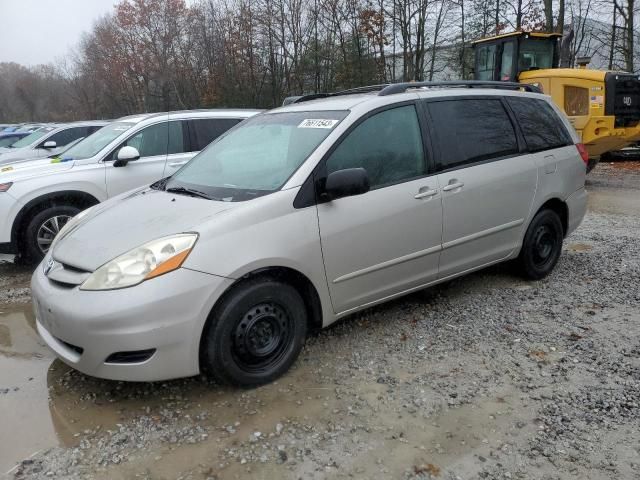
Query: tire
[41, 230]
[255, 334]
[542, 245]
[591, 164]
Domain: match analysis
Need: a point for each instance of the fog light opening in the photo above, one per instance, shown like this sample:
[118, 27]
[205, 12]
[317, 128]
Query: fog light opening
[137, 356]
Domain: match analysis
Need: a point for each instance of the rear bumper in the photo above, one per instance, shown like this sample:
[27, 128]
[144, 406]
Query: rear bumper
[577, 207]
[8, 207]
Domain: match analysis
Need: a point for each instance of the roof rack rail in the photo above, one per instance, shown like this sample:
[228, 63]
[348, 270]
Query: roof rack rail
[403, 87]
[393, 88]
[350, 91]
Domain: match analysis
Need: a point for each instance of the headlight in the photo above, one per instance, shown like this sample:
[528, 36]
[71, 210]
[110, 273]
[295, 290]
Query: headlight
[68, 227]
[147, 261]
[5, 186]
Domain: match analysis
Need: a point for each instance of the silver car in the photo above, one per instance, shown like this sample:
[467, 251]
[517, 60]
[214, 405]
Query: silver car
[48, 140]
[301, 216]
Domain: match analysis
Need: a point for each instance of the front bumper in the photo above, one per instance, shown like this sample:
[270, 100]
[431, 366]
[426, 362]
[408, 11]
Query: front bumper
[9, 207]
[165, 314]
[577, 207]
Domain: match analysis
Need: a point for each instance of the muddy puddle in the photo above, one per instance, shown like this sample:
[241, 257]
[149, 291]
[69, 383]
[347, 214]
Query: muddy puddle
[24, 361]
[52, 405]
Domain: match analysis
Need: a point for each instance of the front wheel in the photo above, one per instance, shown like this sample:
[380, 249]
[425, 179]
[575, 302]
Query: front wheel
[542, 245]
[255, 334]
[43, 228]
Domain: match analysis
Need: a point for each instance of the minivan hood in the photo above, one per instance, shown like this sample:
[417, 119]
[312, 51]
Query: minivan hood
[18, 170]
[128, 221]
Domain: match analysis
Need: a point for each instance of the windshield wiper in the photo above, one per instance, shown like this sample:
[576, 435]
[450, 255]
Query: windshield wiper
[188, 191]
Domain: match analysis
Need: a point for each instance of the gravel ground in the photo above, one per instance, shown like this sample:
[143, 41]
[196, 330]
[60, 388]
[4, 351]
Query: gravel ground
[485, 377]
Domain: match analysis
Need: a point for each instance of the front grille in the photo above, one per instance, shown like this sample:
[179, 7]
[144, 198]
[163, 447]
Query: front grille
[65, 275]
[136, 356]
[623, 98]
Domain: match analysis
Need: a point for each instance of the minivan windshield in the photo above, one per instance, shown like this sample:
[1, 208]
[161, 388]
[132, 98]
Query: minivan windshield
[255, 158]
[95, 142]
[29, 139]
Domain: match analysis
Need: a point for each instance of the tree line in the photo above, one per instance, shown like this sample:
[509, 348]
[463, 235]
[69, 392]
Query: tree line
[156, 55]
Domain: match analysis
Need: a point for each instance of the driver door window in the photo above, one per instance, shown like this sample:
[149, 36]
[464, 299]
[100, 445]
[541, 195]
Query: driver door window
[152, 143]
[388, 146]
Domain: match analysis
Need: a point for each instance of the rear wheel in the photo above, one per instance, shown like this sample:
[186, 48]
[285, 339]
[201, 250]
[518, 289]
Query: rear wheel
[255, 334]
[542, 245]
[42, 229]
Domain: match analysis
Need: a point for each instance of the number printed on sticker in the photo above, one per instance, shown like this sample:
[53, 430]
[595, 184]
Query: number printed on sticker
[317, 123]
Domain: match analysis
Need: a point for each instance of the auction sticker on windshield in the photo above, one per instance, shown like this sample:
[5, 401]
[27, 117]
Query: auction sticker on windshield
[318, 123]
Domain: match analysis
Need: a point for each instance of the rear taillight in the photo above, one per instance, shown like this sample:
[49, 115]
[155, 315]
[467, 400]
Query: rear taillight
[583, 153]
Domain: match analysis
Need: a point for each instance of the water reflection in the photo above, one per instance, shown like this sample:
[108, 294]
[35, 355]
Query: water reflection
[24, 414]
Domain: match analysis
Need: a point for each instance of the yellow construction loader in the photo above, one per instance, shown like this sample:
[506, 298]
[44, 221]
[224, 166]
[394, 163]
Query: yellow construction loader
[603, 106]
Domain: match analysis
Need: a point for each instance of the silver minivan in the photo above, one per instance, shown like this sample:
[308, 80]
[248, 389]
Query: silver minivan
[303, 215]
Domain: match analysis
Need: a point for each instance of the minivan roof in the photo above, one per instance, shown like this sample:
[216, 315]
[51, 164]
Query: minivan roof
[377, 95]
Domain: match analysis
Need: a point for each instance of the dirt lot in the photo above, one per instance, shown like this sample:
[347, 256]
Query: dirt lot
[486, 377]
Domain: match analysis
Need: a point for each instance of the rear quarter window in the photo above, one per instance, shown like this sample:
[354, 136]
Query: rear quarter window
[540, 125]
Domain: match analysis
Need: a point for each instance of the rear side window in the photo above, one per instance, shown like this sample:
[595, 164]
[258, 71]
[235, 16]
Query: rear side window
[471, 130]
[388, 145]
[541, 127]
[203, 131]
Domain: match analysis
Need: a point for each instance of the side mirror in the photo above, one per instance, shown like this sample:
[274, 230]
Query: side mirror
[346, 183]
[49, 144]
[126, 155]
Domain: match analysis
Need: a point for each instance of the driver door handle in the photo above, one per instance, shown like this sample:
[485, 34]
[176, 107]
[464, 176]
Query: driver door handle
[425, 194]
[452, 186]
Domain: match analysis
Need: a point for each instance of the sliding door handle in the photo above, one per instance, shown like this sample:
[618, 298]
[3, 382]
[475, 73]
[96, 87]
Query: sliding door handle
[452, 186]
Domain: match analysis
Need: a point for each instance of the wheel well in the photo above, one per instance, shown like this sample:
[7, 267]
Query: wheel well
[294, 278]
[560, 207]
[298, 281]
[78, 199]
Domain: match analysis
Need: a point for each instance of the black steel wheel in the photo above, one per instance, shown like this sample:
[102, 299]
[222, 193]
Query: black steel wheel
[254, 334]
[261, 337]
[542, 245]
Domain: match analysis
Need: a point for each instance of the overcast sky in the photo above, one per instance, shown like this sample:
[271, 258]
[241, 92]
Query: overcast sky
[39, 31]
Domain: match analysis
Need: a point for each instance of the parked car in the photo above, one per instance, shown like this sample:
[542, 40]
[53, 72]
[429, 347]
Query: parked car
[301, 216]
[8, 139]
[37, 197]
[47, 141]
[30, 127]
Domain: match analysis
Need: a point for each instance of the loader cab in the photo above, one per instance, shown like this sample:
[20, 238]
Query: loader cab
[504, 57]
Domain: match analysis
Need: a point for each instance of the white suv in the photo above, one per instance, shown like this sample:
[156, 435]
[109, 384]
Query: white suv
[38, 197]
